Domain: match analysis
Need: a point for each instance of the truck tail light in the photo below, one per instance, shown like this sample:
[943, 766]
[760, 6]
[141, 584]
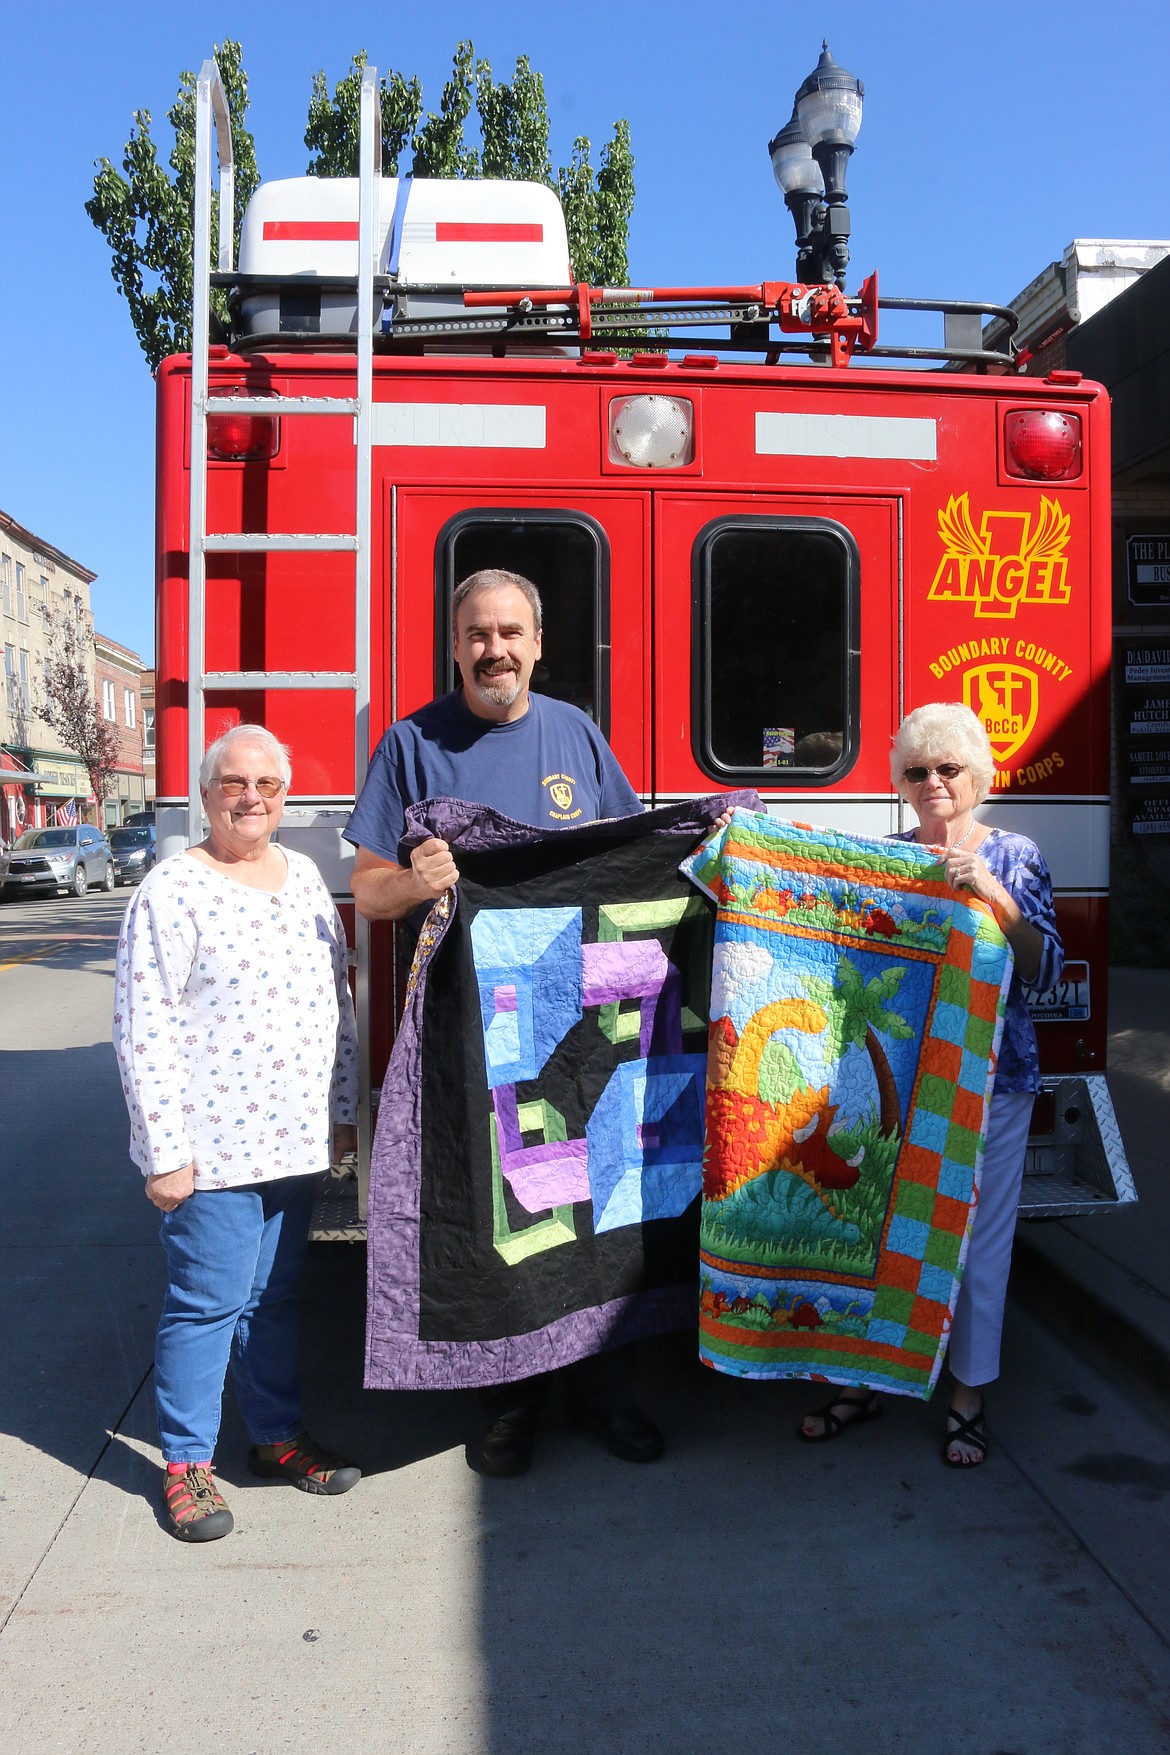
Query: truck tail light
[1042, 444]
[652, 432]
[242, 438]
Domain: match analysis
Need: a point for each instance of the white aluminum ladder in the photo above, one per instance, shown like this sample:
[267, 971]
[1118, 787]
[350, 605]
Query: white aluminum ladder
[211, 112]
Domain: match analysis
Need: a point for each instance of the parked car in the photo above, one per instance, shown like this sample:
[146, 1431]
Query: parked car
[139, 819]
[58, 859]
[133, 847]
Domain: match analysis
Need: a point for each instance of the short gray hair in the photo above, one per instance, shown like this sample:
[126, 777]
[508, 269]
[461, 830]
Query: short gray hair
[495, 579]
[944, 728]
[260, 734]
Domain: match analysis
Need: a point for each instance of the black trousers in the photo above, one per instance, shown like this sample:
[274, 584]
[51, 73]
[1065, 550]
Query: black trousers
[603, 1383]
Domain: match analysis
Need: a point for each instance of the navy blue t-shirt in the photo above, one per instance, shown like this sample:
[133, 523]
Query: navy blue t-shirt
[551, 768]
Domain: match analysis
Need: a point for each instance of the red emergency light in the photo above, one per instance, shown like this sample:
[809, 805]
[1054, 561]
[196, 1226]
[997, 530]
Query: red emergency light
[242, 438]
[1042, 444]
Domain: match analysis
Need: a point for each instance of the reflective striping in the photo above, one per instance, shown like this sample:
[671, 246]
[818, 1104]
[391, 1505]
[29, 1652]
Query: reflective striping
[310, 231]
[1072, 835]
[502, 426]
[443, 231]
[449, 231]
[845, 435]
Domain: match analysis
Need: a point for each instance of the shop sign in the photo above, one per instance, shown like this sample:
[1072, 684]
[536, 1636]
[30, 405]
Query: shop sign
[1147, 570]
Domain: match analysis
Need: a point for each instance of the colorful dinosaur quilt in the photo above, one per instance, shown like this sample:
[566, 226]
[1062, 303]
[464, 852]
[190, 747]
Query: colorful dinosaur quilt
[856, 1009]
[538, 1157]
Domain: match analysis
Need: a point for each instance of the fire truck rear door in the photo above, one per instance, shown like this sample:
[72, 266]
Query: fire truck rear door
[777, 650]
[589, 554]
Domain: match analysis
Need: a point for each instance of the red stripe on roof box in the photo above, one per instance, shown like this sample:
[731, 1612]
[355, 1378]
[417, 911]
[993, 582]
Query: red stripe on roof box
[310, 231]
[453, 232]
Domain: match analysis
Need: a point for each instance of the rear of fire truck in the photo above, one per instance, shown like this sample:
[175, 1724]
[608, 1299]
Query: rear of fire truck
[756, 551]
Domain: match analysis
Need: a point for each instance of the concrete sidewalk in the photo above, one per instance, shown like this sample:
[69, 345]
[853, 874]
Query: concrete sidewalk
[1104, 1280]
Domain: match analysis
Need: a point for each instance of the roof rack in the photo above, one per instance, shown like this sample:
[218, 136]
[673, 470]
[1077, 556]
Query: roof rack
[775, 319]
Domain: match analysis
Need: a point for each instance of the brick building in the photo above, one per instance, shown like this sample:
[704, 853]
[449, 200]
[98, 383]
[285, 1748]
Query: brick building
[118, 691]
[146, 696]
[38, 779]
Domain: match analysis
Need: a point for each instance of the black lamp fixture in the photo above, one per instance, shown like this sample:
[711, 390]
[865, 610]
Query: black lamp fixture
[809, 157]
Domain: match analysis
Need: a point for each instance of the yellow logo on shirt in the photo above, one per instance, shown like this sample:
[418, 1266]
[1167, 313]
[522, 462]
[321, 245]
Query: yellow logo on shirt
[560, 792]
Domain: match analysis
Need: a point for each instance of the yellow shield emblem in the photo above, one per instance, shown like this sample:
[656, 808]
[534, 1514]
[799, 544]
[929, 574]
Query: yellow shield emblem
[562, 794]
[1006, 697]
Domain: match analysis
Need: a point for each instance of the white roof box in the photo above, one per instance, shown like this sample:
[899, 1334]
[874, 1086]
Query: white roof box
[431, 232]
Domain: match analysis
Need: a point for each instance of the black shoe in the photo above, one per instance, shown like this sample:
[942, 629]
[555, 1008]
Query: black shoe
[506, 1447]
[627, 1432]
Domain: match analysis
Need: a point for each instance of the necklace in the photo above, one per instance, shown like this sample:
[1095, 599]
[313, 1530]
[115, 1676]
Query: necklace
[963, 839]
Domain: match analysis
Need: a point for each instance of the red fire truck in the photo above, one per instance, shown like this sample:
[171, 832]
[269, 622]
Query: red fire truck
[757, 550]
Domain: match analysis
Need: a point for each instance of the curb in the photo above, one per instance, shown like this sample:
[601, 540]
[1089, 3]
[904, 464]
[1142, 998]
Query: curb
[1114, 1318]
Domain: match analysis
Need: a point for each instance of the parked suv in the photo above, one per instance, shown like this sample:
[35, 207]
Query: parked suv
[58, 859]
[133, 847]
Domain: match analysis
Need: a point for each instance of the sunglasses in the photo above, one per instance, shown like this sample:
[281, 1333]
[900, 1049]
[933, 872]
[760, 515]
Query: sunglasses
[233, 785]
[944, 770]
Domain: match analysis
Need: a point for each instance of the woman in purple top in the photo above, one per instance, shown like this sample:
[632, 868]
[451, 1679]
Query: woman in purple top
[942, 764]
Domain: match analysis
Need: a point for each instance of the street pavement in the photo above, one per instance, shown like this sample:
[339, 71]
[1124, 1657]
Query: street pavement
[746, 1591]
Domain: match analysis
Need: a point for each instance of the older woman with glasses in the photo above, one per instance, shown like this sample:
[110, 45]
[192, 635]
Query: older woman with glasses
[942, 765]
[235, 1036]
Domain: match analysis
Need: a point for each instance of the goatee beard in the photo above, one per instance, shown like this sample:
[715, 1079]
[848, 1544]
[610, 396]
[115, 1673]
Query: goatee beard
[500, 690]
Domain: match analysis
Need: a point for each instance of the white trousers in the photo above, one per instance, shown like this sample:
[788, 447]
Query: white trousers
[978, 1320]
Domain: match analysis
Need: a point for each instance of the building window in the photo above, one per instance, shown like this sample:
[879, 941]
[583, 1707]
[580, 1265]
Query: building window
[128, 705]
[10, 694]
[108, 700]
[21, 599]
[24, 695]
[6, 582]
[41, 596]
[148, 728]
[777, 606]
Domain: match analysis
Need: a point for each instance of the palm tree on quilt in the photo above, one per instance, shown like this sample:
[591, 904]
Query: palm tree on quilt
[857, 1012]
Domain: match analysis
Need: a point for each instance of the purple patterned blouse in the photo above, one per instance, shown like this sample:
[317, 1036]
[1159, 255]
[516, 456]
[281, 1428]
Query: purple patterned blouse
[1020, 867]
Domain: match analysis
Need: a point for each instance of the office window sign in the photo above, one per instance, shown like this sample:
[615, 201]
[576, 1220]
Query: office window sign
[1147, 664]
[1144, 744]
[1147, 567]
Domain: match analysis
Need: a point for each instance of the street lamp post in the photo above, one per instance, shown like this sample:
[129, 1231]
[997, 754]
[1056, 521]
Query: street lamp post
[809, 158]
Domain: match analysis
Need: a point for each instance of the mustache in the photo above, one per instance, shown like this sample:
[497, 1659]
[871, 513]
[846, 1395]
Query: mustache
[487, 665]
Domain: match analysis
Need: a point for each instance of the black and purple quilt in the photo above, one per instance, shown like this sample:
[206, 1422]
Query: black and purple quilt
[537, 1164]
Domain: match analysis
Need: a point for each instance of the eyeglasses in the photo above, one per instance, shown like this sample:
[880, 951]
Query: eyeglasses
[232, 785]
[944, 770]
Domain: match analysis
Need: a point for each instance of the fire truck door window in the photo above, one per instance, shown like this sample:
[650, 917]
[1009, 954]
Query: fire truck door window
[567, 558]
[778, 612]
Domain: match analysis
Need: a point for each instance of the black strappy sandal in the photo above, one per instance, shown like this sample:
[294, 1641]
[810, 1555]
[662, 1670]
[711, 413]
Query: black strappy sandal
[966, 1432]
[867, 1408]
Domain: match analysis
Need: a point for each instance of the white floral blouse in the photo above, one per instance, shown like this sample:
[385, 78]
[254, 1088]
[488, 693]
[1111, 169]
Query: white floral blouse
[233, 1024]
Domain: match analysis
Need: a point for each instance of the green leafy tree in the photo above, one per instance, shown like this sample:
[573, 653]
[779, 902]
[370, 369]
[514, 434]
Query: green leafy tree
[334, 129]
[146, 214]
[514, 143]
[598, 209]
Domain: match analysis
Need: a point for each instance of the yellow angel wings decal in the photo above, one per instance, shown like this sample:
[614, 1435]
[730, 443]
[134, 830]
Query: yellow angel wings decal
[958, 534]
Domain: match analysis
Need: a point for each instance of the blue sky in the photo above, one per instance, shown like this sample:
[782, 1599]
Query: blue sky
[987, 145]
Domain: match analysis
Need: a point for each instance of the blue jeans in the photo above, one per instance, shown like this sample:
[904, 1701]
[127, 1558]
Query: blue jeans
[234, 1256]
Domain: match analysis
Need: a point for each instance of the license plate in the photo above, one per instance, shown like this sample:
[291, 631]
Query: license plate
[1067, 1002]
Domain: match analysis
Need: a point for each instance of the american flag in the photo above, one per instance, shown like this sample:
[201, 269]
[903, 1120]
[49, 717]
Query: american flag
[66, 815]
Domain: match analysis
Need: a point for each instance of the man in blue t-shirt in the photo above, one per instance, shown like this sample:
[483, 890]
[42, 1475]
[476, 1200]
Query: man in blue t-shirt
[539, 761]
